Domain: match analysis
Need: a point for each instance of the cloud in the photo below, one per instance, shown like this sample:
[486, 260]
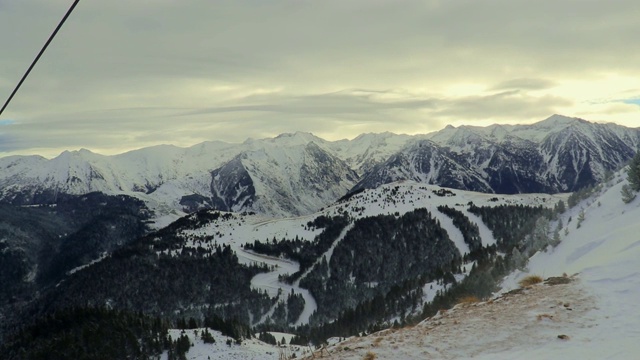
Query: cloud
[124, 74]
[503, 105]
[524, 84]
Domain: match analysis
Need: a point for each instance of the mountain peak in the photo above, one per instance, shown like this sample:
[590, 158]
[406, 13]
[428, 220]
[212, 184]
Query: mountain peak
[559, 120]
[297, 134]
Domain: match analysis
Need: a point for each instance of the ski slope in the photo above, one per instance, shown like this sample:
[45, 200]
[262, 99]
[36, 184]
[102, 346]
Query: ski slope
[596, 314]
[270, 283]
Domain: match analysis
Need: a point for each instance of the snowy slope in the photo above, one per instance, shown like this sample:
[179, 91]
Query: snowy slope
[597, 311]
[250, 349]
[402, 197]
[366, 150]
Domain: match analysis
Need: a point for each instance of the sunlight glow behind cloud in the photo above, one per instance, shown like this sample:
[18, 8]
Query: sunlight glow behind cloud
[127, 74]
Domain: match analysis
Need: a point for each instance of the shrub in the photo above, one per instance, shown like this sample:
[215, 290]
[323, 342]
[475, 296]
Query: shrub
[530, 280]
[468, 299]
[369, 356]
[627, 194]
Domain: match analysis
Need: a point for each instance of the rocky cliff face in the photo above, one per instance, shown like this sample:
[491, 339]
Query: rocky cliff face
[283, 181]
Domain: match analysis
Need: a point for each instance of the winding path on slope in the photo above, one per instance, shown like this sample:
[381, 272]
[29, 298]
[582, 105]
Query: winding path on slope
[270, 283]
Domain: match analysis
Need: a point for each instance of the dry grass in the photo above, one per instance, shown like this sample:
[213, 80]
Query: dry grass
[370, 356]
[545, 316]
[469, 299]
[530, 280]
[377, 341]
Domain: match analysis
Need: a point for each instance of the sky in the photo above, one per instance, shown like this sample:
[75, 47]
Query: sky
[126, 74]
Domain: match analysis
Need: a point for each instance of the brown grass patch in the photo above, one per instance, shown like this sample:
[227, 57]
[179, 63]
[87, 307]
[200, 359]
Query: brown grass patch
[530, 280]
[370, 356]
[469, 299]
[545, 316]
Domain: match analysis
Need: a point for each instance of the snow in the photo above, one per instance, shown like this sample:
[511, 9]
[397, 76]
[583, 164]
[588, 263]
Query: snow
[486, 235]
[76, 269]
[400, 197]
[597, 311]
[454, 233]
[250, 349]
[162, 175]
[269, 282]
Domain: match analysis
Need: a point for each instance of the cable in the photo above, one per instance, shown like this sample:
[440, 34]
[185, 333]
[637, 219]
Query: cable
[39, 55]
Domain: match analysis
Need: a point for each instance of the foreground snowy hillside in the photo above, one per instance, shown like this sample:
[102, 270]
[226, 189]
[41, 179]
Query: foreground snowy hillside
[595, 316]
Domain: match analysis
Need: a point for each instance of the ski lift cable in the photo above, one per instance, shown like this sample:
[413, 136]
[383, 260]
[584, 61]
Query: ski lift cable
[39, 55]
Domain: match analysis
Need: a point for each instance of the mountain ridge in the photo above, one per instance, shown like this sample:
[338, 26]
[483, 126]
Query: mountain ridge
[557, 154]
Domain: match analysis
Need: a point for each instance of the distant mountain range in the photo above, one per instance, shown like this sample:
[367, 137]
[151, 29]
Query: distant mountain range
[299, 173]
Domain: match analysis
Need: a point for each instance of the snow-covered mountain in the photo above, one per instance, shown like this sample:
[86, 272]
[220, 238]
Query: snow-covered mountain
[559, 154]
[274, 180]
[299, 173]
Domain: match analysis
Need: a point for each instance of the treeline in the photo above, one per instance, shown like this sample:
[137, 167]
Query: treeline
[232, 328]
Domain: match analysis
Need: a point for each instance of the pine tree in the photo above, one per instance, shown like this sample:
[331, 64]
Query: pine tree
[633, 173]
[560, 207]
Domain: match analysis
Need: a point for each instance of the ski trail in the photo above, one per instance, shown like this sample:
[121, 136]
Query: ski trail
[327, 253]
[486, 235]
[270, 283]
[454, 233]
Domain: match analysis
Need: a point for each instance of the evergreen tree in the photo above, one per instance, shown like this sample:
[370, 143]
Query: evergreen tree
[633, 173]
[207, 338]
[540, 235]
[627, 194]
[518, 260]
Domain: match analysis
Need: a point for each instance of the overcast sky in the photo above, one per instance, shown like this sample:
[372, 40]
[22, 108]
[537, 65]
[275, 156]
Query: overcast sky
[124, 74]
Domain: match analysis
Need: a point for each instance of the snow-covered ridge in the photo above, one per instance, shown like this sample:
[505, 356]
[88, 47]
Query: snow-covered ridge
[559, 154]
[299, 173]
[593, 317]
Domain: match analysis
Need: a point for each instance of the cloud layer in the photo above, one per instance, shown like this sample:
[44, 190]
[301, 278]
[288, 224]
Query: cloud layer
[126, 74]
